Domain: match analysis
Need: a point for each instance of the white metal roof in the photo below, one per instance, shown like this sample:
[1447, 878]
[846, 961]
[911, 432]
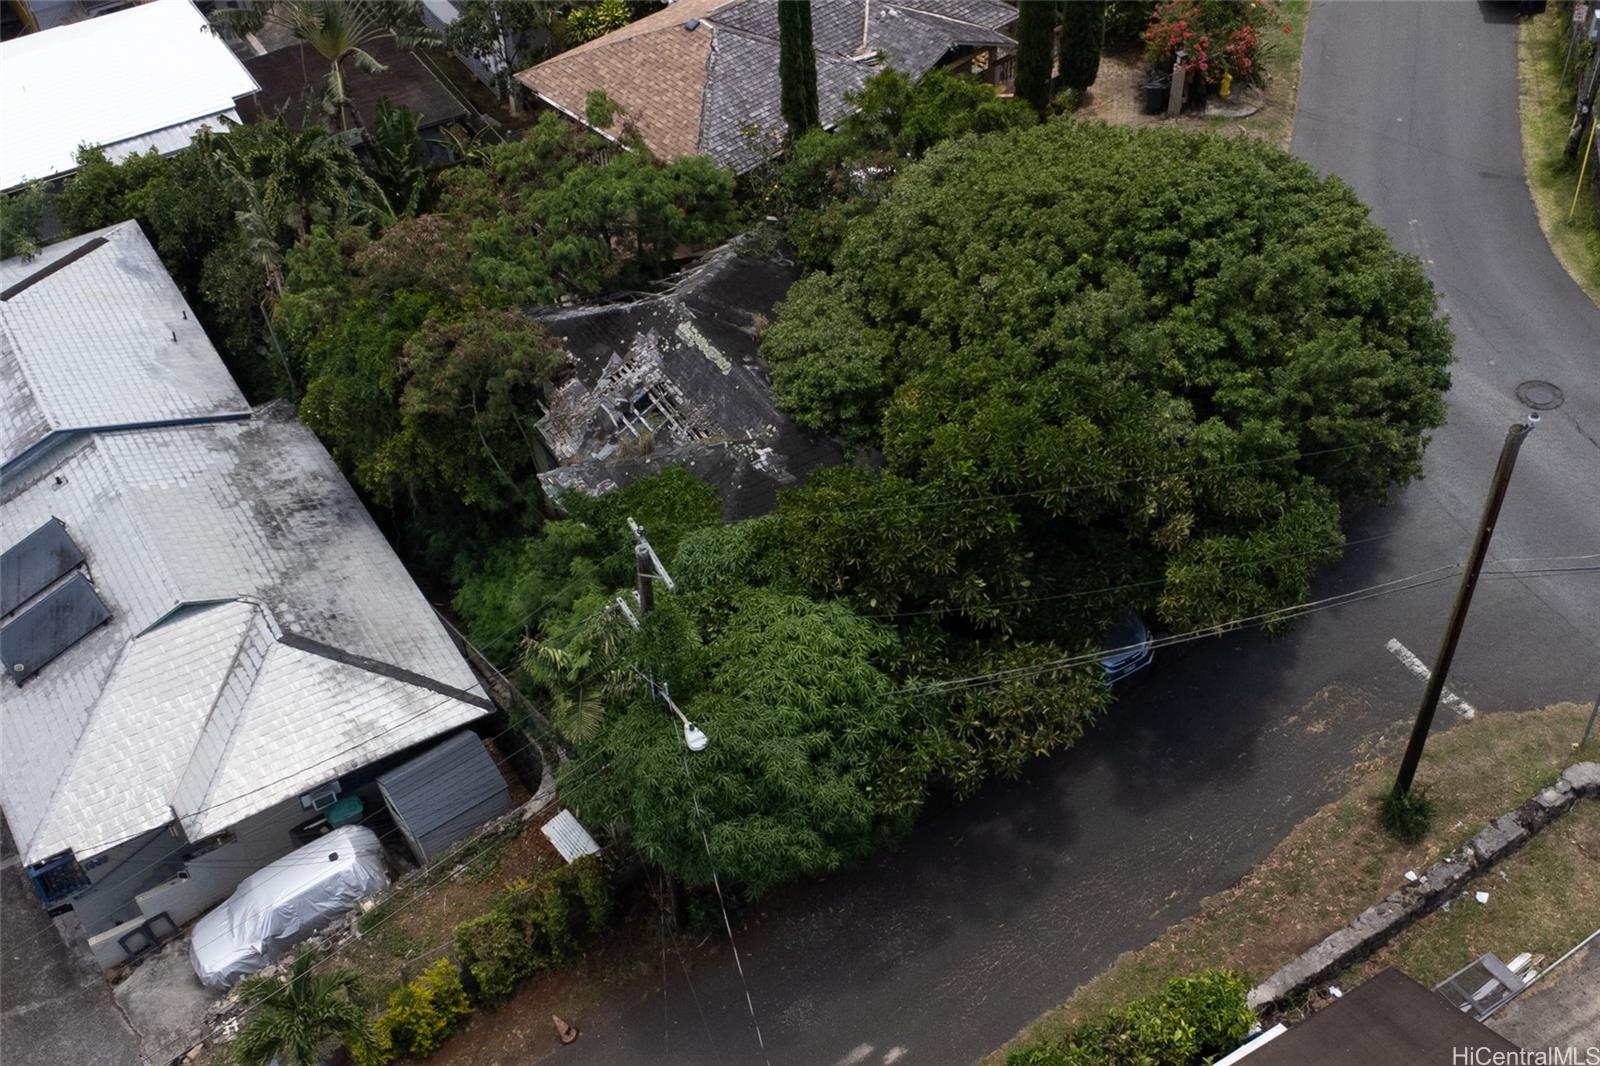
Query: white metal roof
[108, 80]
[263, 635]
[105, 341]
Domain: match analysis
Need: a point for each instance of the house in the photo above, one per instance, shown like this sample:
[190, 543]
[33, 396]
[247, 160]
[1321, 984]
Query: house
[1387, 1020]
[674, 379]
[211, 652]
[113, 81]
[701, 76]
[292, 84]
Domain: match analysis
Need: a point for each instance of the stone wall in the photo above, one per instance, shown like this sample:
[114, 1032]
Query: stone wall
[1444, 880]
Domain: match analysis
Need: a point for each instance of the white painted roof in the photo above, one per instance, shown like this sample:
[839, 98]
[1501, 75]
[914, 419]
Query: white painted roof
[302, 647]
[108, 80]
[105, 341]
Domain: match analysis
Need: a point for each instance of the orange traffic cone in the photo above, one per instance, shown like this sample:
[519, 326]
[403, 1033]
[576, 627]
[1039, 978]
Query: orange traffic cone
[567, 1033]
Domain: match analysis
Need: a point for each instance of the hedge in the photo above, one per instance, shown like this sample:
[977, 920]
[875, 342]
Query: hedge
[1192, 1020]
[532, 927]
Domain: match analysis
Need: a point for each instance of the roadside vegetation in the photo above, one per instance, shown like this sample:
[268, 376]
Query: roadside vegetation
[1088, 371]
[1567, 214]
[1340, 860]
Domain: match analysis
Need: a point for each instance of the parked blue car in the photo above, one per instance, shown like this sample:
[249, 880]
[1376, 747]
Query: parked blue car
[1126, 648]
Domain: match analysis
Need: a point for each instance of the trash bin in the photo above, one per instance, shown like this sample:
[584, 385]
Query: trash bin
[1155, 91]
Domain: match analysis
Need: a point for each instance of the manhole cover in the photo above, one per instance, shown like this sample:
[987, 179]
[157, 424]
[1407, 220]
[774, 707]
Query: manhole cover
[1540, 395]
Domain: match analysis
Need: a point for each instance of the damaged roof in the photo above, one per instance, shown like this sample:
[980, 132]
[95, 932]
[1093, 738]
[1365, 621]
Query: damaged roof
[701, 76]
[675, 379]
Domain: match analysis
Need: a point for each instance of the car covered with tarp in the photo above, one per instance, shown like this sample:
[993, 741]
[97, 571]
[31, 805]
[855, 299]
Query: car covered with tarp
[285, 902]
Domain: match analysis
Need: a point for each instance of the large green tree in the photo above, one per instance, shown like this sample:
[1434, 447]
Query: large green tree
[1036, 42]
[799, 776]
[1083, 35]
[1151, 362]
[797, 67]
[505, 36]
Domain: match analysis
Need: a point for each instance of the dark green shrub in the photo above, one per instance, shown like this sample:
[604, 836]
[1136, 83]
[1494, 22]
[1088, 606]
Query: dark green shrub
[1192, 1020]
[493, 951]
[1407, 816]
[531, 927]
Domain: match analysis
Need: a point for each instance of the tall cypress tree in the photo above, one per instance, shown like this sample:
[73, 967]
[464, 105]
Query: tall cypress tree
[1083, 35]
[1036, 31]
[797, 66]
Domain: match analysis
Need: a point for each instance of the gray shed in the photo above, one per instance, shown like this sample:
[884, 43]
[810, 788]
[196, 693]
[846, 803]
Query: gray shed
[444, 794]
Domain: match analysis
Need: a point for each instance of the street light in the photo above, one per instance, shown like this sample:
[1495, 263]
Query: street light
[693, 736]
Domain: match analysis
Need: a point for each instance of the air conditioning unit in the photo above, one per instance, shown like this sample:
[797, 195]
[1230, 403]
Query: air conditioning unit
[320, 799]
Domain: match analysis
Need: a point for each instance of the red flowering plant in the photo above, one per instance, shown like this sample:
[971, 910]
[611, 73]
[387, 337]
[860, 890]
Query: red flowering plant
[1217, 37]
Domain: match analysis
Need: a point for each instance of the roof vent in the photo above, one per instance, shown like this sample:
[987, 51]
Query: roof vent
[692, 25]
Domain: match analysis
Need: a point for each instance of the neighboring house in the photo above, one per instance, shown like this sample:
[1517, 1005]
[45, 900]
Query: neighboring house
[675, 380]
[211, 651]
[701, 76]
[18, 17]
[294, 80]
[150, 76]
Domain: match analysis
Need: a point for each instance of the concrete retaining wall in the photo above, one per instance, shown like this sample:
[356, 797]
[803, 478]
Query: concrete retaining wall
[1445, 880]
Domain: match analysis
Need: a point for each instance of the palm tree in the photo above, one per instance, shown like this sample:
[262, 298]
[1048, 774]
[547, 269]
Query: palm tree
[295, 178]
[338, 30]
[300, 1017]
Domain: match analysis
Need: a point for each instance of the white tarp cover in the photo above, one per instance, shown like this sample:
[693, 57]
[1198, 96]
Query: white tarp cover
[285, 902]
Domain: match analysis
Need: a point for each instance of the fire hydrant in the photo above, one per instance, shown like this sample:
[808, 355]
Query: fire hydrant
[1227, 84]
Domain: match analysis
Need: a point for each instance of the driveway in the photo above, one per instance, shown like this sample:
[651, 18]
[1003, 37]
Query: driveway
[998, 908]
[54, 1007]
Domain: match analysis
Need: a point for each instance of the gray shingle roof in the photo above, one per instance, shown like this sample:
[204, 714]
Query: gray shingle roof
[263, 636]
[714, 89]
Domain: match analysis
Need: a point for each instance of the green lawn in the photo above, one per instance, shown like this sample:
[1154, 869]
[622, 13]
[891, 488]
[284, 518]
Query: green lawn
[1546, 105]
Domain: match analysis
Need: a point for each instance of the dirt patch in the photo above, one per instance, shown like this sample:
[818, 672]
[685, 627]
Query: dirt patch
[1339, 861]
[521, 1032]
[416, 923]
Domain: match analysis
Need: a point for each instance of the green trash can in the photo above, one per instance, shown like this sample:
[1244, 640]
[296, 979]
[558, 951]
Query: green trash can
[344, 812]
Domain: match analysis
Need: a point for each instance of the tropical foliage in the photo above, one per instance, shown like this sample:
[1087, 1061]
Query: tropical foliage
[298, 1018]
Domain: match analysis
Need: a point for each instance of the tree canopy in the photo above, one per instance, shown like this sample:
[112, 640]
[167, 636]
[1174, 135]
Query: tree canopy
[794, 782]
[1095, 357]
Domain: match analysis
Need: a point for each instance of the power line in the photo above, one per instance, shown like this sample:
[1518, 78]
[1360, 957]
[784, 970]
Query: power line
[1418, 580]
[1109, 483]
[722, 903]
[1242, 563]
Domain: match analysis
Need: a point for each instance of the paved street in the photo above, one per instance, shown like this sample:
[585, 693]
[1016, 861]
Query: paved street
[995, 910]
[54, 1008]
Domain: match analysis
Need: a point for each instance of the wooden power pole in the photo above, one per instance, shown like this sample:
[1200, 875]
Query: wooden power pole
[1458, 613]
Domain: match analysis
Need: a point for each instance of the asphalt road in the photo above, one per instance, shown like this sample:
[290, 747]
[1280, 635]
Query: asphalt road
[54, 1007]
[996, 909]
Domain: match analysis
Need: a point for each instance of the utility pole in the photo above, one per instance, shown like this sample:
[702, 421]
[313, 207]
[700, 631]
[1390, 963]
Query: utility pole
[1458, 613]
[647, 567]
[646, 578]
